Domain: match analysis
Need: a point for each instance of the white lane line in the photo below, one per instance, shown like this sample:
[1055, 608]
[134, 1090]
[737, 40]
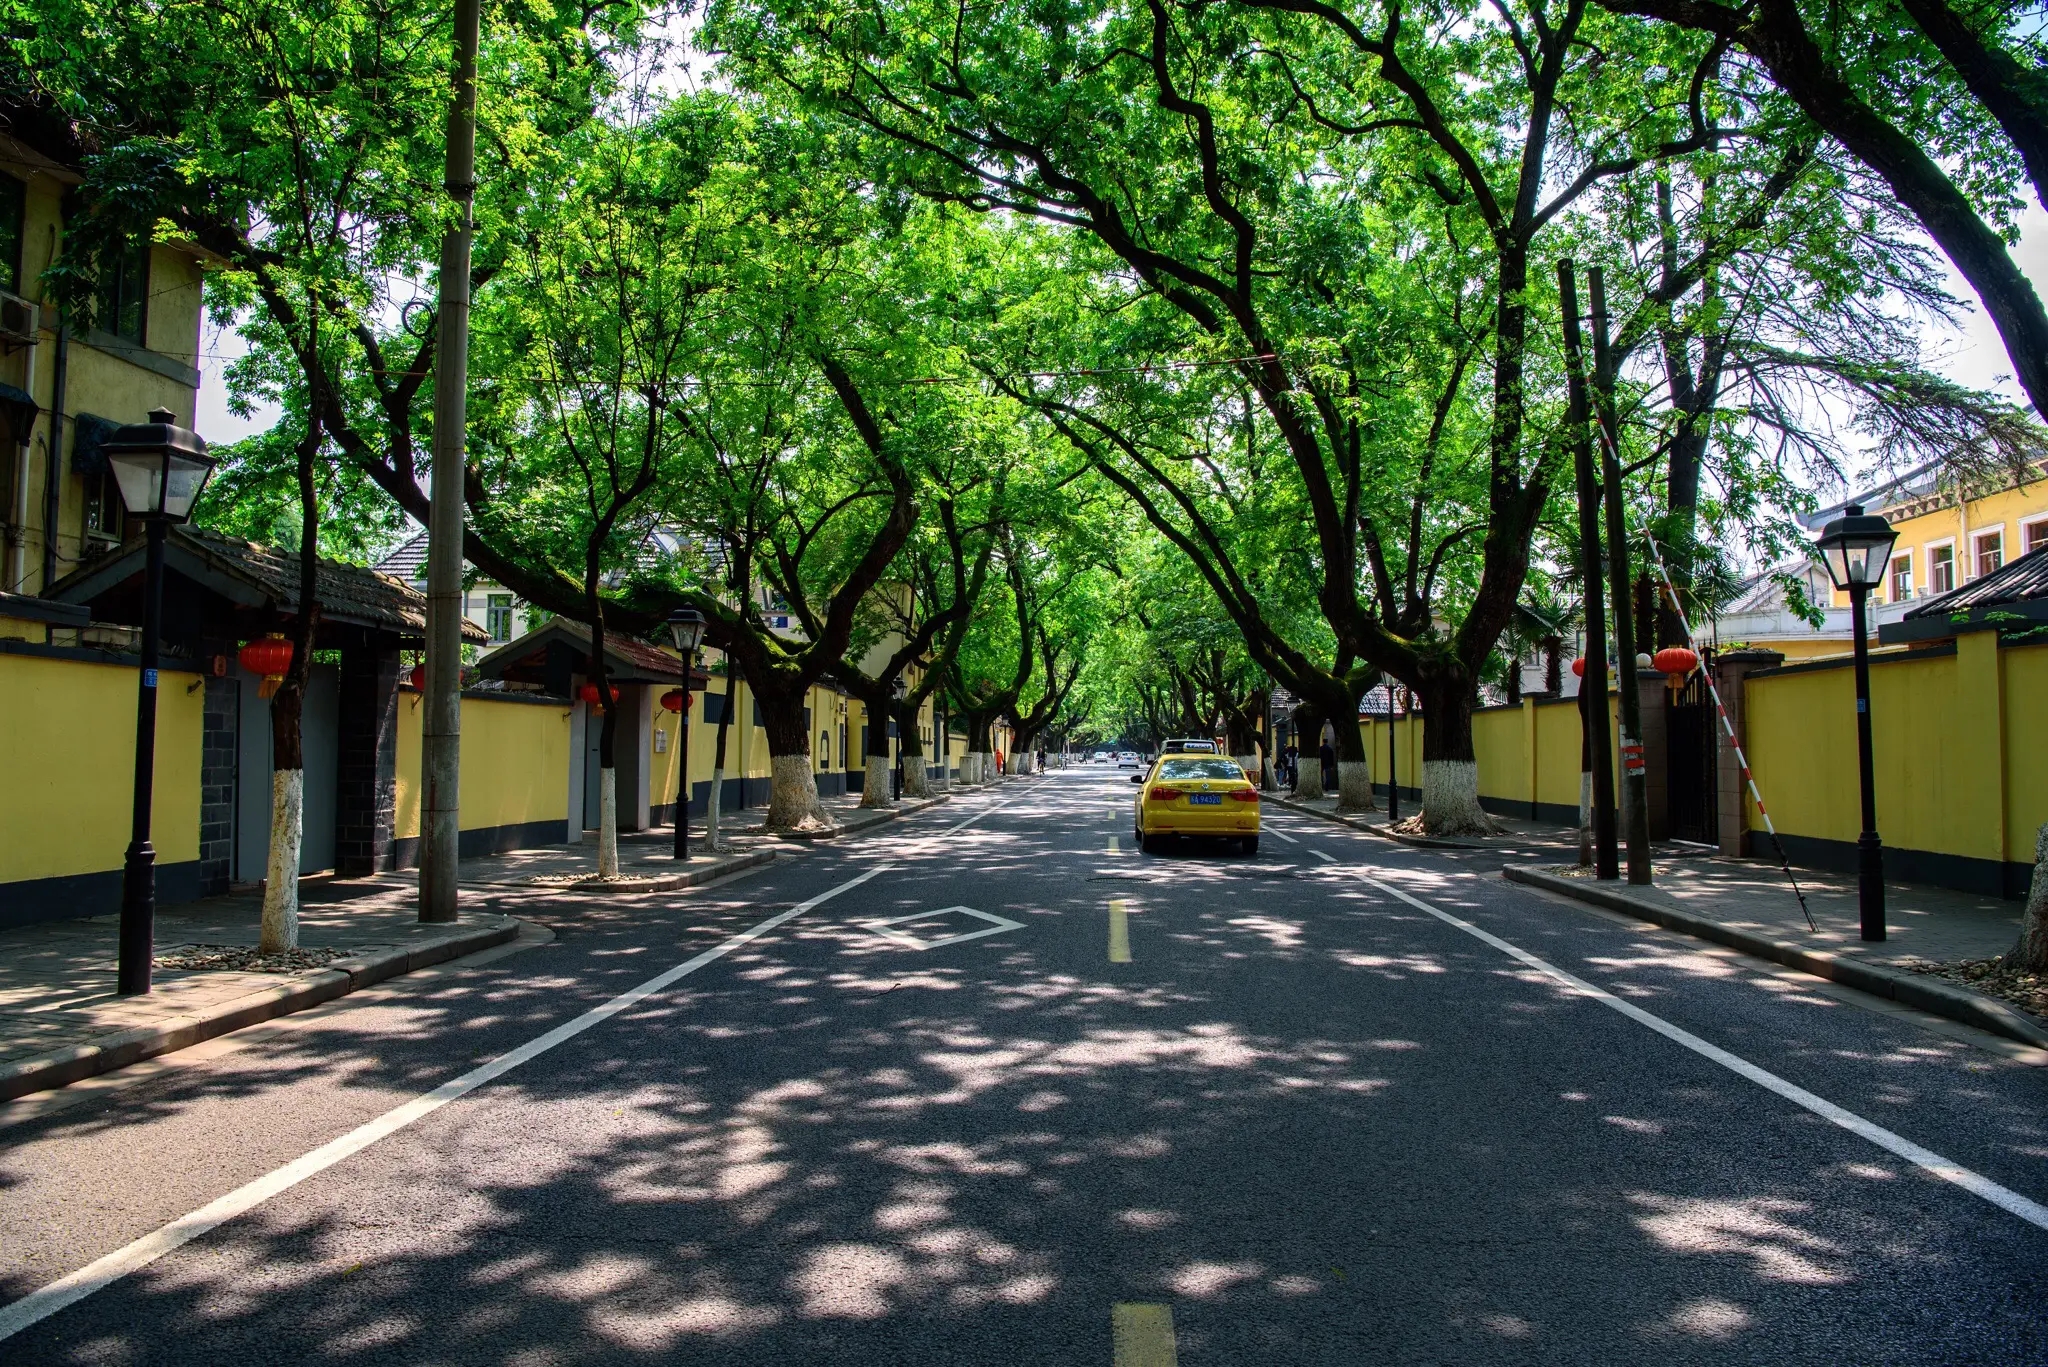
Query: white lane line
[94, 1276]
[985, 811]
[1327, 859]
[1928, 1160]
[1283, 835]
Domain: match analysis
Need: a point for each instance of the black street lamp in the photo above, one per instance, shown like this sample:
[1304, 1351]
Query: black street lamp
[686, 628]
[1857, 549]
[160, 469]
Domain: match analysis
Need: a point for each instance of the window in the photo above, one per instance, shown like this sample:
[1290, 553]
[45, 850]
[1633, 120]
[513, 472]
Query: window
[2034, 536]
[13, 209]
[1941, 568]
[124, 292]
[1990, 552]
[102, 505]
[498, 616]
[1200, 768]
[1902, 577]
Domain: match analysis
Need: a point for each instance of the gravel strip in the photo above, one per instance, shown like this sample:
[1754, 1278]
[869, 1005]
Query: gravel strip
[2027, 991]
[248, 959]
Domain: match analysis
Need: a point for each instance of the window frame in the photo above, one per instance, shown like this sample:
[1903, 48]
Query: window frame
[1930, 548]
[11, 262]
[1892, 576]
[1978, 536]
[495, 603]
[108, 307]
[2034, 534]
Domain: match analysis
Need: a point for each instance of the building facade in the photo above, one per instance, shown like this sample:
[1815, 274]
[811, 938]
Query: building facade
[63, 388]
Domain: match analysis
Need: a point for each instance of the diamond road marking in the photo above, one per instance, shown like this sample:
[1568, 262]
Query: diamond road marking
[997, 925]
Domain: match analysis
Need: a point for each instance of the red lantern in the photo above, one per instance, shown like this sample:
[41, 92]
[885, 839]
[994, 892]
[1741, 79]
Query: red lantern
[270, 657]
[1579, 668]
[418, 678]
[675, 700]
[1675, 660]
[589, 694]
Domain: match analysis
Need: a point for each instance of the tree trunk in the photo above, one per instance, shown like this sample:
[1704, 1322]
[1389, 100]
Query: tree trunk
[910, 747]
[607, 783]
[2031, 953]
[792, 787]
[1308, 746]
[1450, 767]
[279, 927]
[874, 788]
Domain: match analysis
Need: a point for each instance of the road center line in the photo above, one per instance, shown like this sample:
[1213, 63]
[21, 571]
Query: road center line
[1119, 932]
[1113, 846]
[1285, 836]
[104, 1272]
[1142, 1336]
[1327, 859]
[1928, 1160]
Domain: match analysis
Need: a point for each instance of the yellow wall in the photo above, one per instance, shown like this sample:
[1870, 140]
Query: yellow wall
[515, 764]
[67, 749]
[2026, 747]
[1502, 748]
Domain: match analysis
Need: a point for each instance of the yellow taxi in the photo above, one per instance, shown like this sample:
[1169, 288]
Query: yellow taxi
[1196, 794]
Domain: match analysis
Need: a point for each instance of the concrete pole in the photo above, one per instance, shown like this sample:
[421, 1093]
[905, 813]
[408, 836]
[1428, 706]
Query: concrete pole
[441, 719]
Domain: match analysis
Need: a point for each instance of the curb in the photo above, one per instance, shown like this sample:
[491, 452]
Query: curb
[338, 979]
[1908, 989]
[1420, 842]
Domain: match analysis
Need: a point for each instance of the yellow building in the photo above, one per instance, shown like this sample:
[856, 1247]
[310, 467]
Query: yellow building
[63, 389]
[1949, 535]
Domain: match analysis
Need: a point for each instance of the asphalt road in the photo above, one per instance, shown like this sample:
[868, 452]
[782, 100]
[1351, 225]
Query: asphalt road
[1306, 1122]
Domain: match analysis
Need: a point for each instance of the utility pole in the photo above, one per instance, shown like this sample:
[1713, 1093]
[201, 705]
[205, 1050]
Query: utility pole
[1594, 711]
[1635, 798]
[441, 720]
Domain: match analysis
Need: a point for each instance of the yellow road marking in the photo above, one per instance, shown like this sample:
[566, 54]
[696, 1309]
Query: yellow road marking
[1119, 933]
[1112, 846]
[1142, 1335]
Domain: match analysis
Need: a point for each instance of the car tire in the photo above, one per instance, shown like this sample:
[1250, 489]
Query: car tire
[1251, 844]
[1152, 844]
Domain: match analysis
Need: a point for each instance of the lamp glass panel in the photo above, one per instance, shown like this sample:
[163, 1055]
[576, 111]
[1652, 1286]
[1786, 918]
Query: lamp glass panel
[140, 477]
[187, 478]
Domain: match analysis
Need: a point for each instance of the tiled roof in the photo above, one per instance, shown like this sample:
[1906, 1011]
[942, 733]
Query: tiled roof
[2023, 579]
[621, 652]
[346, 591]
[407, 564]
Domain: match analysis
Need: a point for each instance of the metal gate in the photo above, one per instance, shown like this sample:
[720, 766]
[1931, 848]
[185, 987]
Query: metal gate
[1693, 776]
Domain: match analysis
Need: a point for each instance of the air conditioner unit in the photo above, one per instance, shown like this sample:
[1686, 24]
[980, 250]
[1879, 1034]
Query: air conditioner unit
[17, 320]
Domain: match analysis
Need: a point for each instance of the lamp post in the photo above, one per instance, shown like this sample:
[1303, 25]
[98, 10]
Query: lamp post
[1857, 549]
[160, 469]
[686, 628]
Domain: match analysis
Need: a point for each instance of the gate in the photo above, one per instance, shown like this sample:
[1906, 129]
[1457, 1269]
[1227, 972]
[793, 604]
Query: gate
[1693, 775]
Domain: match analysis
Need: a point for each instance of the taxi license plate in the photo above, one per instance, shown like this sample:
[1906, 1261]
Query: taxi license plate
[1206, 800]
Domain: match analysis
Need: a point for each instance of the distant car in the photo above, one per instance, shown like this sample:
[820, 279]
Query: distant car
[1196, 795]
[1128, 757]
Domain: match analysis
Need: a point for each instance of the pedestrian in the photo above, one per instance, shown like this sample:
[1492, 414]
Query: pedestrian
[1041, 759]
[1329, 758]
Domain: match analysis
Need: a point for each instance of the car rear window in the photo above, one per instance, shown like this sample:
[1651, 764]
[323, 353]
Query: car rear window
[1200, 768]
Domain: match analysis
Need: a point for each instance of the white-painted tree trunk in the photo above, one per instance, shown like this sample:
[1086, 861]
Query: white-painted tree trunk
[985, 767]
[874, 790]
[280, 929]
[1021, 762]
[793, 795]
[713, 804]
[2031, 953]
[968, 769]
[1450, 799]
[1354, 786]
[916, 776]
[1308, 778]
[607, 823]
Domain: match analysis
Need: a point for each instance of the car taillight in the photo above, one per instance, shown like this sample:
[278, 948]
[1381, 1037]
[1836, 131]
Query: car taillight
[1244, 794]
[1160, 795]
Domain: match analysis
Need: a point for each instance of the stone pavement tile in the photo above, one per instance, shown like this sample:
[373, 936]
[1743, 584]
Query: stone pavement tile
[1923, 924]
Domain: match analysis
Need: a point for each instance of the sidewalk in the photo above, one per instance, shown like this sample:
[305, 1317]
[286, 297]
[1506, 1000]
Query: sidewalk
[1748, 905]
[60, 1019]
